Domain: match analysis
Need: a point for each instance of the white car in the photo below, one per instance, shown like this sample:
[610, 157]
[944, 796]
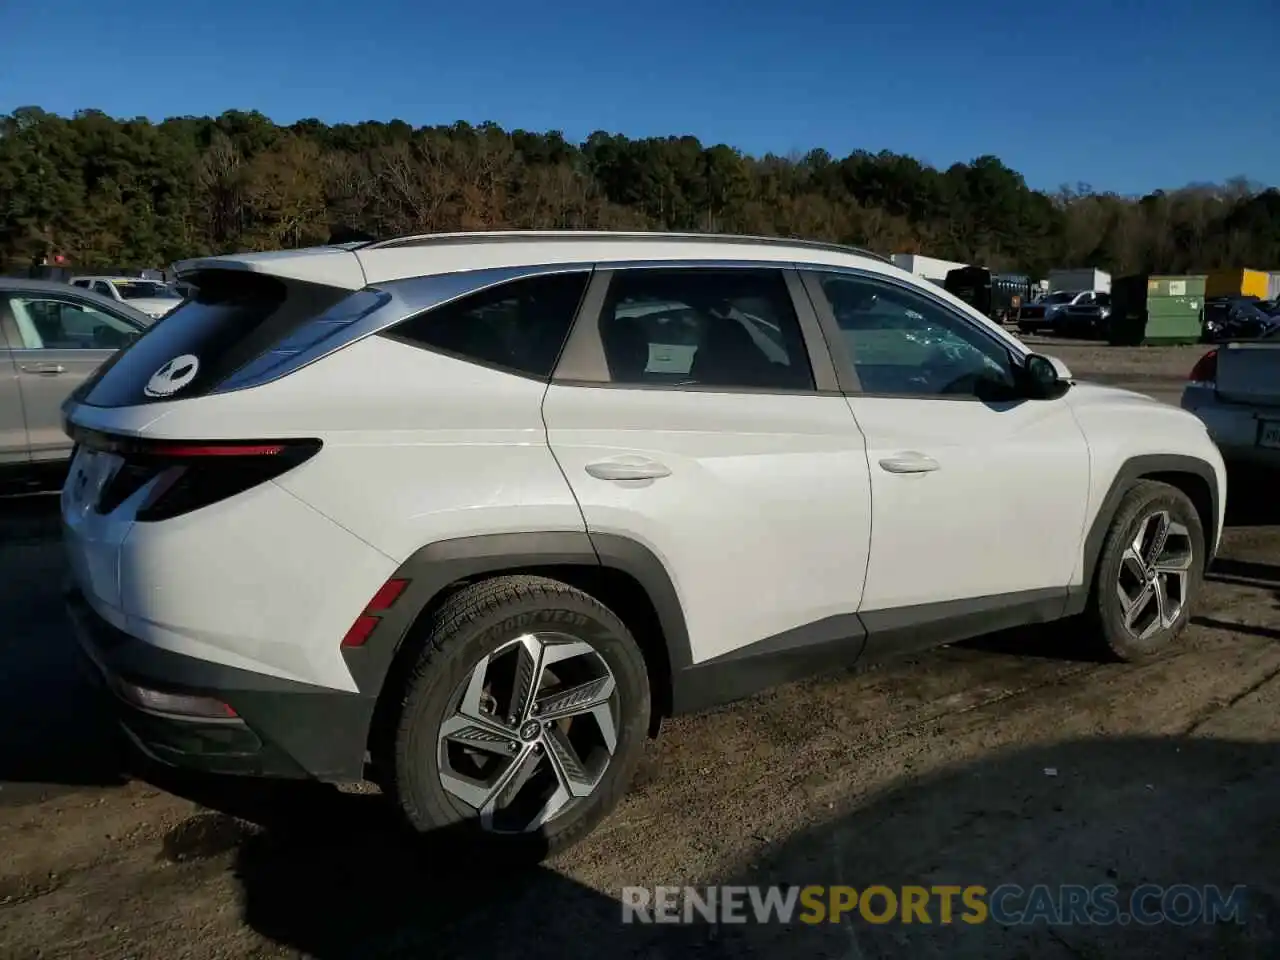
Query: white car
[442, 512]
[152, 297]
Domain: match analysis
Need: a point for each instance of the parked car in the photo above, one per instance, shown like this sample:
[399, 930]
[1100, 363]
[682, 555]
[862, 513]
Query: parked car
[52, 337]
[1233, 318]
[1235, 389]
[1044, 312]
[155, 298]
[468, 515]
[1088, 316]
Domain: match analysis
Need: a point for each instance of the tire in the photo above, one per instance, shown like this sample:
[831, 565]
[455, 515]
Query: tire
[488, 619]
[1120, 637]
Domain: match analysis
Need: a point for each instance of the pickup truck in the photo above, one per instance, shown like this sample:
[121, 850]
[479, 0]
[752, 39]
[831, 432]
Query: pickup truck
[1235, 390]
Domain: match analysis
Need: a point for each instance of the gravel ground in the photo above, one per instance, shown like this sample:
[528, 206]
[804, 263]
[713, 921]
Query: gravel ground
[1007, 759]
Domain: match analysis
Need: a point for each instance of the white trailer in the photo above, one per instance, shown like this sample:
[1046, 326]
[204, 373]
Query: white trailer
[1099, 281]
[928, 268]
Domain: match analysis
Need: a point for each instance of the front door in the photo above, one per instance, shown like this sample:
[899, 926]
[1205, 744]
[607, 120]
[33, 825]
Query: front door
[978, 500]
[13, 423]
[63, 341]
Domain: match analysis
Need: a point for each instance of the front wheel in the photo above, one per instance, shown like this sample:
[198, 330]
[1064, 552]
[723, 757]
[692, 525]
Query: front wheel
[523, 719]
[1150, 572]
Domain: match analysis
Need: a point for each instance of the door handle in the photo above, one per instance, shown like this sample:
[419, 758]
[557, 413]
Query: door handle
[628, 468]
[44, 369]
[910, 462]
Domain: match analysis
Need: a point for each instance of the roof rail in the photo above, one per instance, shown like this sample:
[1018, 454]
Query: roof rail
[497, 236]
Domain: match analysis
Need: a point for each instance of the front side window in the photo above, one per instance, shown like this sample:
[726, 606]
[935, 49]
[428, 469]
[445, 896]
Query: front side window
[48, 323]
[518, 326]
[731, 328]
[906, 344]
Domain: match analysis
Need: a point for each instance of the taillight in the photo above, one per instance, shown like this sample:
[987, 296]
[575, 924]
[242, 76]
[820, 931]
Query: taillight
[1206, 369]
[364, 624]
[189, 475]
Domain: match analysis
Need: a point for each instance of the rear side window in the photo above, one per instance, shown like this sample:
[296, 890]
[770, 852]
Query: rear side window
[518, 326]
[233, 318]
[718, 328]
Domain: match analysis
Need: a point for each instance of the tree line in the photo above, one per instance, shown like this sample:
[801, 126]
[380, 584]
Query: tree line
[101, 191]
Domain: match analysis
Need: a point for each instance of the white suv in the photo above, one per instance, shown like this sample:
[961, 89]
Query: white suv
[469, 514]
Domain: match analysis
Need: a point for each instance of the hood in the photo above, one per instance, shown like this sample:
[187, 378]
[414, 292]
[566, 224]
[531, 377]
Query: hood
[1086, 394]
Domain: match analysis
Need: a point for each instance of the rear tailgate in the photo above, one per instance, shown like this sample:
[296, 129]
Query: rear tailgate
[1249, 372]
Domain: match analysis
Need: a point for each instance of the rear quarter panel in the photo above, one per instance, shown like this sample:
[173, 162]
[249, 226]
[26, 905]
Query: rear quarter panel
[418, 447]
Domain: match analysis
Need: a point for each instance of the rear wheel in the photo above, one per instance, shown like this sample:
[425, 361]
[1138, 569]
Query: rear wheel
[1150, 572]
[523, 718]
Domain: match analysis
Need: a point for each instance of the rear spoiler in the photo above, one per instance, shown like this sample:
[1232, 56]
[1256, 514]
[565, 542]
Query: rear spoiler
[326, 266]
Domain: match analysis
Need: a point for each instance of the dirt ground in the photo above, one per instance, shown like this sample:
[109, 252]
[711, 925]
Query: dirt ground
[1004, 760]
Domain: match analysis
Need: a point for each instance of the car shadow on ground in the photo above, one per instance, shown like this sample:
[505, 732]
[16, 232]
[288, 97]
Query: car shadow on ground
[53, 729]
[1253, 498]
[332, 875]
[1060, 640]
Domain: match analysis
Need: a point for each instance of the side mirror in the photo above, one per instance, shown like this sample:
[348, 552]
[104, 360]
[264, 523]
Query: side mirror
[1064, 373]
[1044, 377]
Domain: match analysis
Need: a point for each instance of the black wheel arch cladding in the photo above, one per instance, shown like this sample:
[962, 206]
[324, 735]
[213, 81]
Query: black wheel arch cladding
[1193, 476]
[615, 569]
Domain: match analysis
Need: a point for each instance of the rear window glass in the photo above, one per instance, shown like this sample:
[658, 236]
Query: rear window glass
[232, 318]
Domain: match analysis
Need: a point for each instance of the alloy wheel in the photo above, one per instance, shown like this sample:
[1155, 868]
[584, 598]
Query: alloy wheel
[531, 732]
[1155, 571]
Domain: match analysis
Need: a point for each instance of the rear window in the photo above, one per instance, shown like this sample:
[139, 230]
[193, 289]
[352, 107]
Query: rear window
[232, 318]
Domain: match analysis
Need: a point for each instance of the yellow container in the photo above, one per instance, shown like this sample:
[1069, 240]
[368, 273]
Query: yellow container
[1237, 282]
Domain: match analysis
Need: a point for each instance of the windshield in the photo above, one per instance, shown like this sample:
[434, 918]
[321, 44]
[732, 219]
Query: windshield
[145, 290]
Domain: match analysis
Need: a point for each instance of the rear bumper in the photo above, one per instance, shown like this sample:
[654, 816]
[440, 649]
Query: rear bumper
[1234, 427]
[280, 728]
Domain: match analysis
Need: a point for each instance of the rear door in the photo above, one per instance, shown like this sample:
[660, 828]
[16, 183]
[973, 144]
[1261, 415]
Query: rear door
[63, 340]
[695, 412]
[13, 425]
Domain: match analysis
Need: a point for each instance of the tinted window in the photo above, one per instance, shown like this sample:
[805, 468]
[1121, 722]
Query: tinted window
[235, 318]
[904, 343]
[53, 323]
[144, 290]
[519, 326]
[104, 288]
[722, 328]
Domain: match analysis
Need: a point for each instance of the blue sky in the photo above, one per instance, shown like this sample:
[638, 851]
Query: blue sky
[1126, 95]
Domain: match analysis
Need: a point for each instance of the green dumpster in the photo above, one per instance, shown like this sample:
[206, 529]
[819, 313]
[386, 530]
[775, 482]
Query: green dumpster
[1150, 309]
